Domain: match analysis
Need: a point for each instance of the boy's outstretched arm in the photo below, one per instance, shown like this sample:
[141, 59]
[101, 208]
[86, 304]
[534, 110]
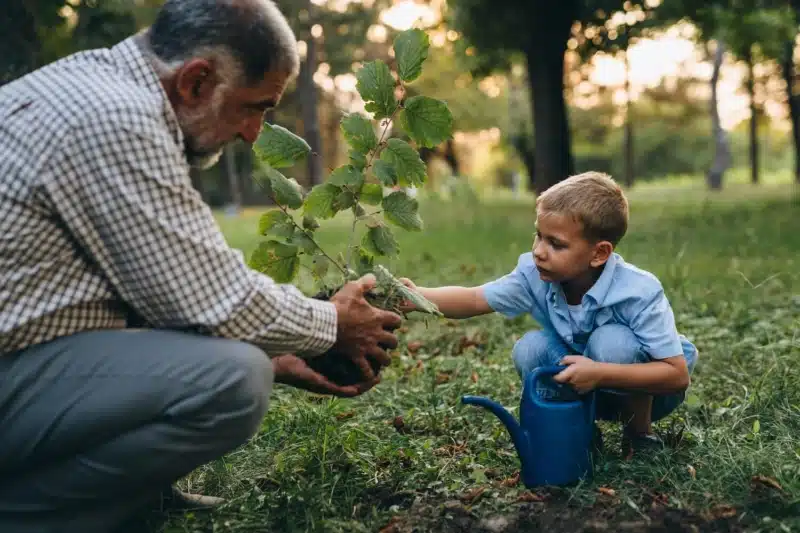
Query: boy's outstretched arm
[454, 301]
[659, 376]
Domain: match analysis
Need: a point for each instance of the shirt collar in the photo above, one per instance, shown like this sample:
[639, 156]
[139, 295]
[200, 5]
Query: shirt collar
[600, 289]
[131, 57]
[598, 292]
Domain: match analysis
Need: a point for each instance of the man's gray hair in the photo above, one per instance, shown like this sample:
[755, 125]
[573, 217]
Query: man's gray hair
[253, 32]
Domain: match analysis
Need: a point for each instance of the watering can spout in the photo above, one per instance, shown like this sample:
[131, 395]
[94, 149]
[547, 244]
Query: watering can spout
[518, 435]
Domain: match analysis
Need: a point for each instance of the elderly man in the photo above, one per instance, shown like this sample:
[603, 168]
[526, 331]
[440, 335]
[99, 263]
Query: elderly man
[101, 229]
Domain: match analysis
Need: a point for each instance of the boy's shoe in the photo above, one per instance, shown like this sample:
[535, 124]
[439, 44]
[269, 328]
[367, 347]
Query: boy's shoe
[633, 444]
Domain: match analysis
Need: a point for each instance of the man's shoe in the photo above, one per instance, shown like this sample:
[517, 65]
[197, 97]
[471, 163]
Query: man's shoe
[177, 500]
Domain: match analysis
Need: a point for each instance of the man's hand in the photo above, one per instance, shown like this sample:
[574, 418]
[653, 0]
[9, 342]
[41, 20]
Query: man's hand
[294, 371]
[363, 331]
[582, 373]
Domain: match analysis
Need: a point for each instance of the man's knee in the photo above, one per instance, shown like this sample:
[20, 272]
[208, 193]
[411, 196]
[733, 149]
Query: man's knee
[532, 351]
[242, 377]
[614, 343]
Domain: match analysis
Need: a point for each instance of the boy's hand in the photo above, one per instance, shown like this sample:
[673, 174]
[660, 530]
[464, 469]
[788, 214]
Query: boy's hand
[582, 373]
[407, 306]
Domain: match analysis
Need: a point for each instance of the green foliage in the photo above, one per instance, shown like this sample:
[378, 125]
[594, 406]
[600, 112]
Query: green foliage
[358, 186]
[411, 50]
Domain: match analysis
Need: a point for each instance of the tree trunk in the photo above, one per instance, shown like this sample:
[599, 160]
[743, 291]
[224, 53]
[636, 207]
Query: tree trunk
[722, 152]
[751, 90]
[629, 157]
[545, 61]
[308, 104]
[794, 105]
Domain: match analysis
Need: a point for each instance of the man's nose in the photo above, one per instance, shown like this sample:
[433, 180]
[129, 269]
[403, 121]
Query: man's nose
[251, 130]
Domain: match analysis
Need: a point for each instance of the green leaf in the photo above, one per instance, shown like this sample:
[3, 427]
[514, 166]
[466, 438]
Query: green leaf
[364, 261]
[410, 51]
[371, 193]
[344, 200]
[376, 87]
[275, 222]
[406, 161]
[385, 278]
[358, 160]
[277, 260]
[358, 133]
[385, 172]
[320, 265]
[305, 242]
[400, 209]
[319, 202]
[380, 241]
[285, 191]
[279, 147]
[310, 223]
[347, 175]
[427, 120]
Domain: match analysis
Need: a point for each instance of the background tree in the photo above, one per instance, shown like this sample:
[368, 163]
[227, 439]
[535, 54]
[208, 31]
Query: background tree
[501, 30]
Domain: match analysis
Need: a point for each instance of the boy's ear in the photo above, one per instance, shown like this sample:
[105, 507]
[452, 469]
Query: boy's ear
[602, 251]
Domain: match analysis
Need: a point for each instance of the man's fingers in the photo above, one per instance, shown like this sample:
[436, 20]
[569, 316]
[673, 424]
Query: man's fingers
[367, 282]
[366, 369]
[387, 340]
[380, 355]
[390, 320]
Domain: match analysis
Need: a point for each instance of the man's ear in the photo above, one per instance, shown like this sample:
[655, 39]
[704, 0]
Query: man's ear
[195, 82]
[602, 251]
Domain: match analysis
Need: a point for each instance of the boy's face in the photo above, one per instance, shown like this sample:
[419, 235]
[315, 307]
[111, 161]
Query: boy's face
[561, 251]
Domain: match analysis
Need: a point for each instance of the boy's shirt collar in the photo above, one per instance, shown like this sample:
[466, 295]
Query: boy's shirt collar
[596, 294]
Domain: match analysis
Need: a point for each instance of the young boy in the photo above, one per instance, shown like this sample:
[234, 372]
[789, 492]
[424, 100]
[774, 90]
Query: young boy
[606, 320]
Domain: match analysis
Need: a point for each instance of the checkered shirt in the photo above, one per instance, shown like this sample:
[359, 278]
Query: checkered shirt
[101, 228]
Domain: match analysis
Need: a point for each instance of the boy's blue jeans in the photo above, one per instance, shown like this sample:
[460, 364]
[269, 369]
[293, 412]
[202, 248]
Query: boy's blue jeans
[611, 343]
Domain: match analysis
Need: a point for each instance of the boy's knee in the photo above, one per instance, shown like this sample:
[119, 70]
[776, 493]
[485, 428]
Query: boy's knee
[614, 343]
[531, 351]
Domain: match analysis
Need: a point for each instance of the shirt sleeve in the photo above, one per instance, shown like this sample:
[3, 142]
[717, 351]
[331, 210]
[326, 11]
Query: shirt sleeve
[511, 294]
[129, 202]
[654, 327]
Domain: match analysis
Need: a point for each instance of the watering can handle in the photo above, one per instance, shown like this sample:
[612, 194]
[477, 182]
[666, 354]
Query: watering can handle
[556, 369]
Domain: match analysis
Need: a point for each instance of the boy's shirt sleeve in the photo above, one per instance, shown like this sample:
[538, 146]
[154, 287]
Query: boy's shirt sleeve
[654, 327]
[512, 295]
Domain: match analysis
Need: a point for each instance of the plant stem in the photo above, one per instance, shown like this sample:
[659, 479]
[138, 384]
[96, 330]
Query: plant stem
[350, 242]
[386, 127]
[299, 227]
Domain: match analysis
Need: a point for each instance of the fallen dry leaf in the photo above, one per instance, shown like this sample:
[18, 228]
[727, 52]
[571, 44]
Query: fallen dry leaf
[392, 526]
[414, 346]
[760, 479]
[345, 415]
[511, 481]
[442, 377]
[607, 491]
[399, 424]
[474, 377]
[450, 449]
[529, 497]
[473, 495]
[723, 511]
[692, 471]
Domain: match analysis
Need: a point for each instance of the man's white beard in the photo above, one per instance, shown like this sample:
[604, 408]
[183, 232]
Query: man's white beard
[194, 146]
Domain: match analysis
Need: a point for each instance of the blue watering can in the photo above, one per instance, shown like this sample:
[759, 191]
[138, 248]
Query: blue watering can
[553, 437]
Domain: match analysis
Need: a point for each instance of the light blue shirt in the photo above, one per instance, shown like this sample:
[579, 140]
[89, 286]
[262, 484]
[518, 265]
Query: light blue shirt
[623, 294]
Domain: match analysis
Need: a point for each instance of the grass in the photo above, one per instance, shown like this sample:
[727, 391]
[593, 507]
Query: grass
[730, 263]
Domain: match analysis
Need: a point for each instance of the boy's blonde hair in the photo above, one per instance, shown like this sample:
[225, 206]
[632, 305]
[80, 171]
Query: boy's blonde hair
[593, 199]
